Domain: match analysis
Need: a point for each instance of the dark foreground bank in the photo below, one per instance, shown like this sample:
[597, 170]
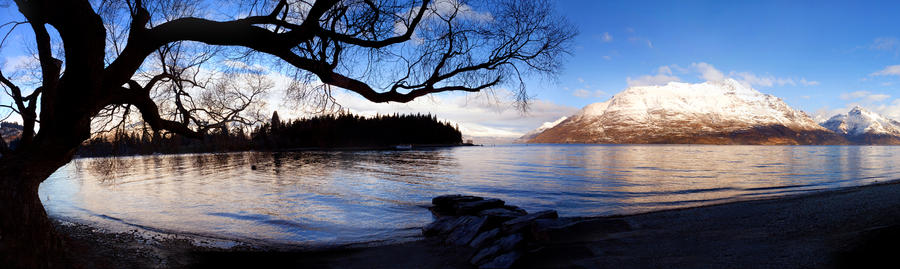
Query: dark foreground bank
[854, 227]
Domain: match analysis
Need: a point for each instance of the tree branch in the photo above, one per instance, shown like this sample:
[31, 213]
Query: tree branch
[139, 98]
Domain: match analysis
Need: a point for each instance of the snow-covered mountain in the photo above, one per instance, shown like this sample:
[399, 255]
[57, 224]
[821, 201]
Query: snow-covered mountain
[10, 131]
[714, 112]
[534, 133]
[865, 127]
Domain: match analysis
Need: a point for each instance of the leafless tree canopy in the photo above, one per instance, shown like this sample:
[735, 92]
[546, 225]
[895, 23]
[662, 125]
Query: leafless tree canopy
[173, 62]
[178, 65]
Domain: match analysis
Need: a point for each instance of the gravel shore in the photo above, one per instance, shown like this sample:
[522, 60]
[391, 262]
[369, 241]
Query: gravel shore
[849, 227]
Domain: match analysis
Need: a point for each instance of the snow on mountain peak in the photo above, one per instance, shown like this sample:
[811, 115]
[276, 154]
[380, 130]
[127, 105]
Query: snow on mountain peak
[726, 103]
[550, 124]
[544, 127]
[861, 121]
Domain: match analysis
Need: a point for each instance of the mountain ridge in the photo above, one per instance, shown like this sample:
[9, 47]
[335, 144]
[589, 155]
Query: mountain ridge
[713, 112]
[862, 126]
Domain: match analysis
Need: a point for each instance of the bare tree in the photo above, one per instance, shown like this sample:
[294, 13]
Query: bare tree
[383, 50]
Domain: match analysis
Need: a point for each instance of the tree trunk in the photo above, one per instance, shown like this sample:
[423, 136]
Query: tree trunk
[27, 236]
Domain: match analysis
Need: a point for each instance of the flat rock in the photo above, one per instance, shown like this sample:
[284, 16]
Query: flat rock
[442, 225]
[473, 207]
[466, 229]
[503, 261]
[484, 237]
[501, 213]
[502, 245]
[450, 200]
[517, 224]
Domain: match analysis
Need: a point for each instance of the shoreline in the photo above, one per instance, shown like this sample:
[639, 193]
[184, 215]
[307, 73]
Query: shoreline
[828, 228]
[327, 149]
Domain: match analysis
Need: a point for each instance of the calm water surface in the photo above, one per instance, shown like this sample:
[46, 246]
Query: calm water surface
[329, 198]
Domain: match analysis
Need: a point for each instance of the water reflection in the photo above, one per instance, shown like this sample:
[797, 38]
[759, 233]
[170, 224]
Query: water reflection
[342, 197]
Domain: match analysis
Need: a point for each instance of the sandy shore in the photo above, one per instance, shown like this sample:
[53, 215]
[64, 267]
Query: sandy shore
[849, 227]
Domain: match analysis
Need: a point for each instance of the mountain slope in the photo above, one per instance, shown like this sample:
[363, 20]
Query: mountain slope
[534, 133]
[722, 112]
[862, 126]
[10, 131]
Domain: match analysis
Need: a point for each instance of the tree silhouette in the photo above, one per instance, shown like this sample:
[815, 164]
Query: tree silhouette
[93, 55]
[348, 130]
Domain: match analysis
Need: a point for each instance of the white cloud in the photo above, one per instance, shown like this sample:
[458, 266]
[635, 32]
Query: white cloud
[583, 93]
[890, 44]
[893, 70]
[878, 97]
[762, 80]
[244, 66]
[606, 57]
[887, 109]
[478, 115]
[18, 62]
[865, 96]
[805, 82]
[438, 9]
[662, 77]
[606, 37]
[854, 95]
[891, 110]
[708, 71]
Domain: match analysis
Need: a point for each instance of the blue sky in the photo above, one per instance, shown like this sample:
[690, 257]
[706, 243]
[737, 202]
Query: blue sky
[834, 46]
[822, 57]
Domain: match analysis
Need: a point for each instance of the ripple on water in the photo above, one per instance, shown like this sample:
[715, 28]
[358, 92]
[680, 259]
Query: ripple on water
[335, 197]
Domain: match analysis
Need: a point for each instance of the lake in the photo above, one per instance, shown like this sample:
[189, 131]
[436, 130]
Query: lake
[327, 198]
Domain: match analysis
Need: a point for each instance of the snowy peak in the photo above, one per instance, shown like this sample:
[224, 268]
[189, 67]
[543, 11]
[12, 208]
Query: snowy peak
[713, 112]
[713, 103]
[539, 130]
[860, 121]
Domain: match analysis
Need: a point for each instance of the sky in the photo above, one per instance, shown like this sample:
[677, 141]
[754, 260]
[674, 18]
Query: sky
[821, 57]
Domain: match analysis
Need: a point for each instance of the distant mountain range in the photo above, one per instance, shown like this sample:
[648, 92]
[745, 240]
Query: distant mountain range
[10, 131]
[860, 126]
[534, 133]
[715, 112]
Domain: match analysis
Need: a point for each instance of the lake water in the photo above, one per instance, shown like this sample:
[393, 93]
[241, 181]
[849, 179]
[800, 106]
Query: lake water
[333, 198]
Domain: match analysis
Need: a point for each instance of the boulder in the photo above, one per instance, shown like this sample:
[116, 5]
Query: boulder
[473, 207]
[503, 261]
[516, 209]
[484, 237]
[517, 224]
[445, 205]
[502, 245]
[466, 229]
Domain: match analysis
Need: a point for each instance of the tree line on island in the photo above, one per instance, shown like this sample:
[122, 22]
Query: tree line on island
[341, 130]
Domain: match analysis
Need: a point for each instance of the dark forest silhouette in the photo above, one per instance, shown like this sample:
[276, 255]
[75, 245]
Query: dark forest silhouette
[348, 130]
[341, 130]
